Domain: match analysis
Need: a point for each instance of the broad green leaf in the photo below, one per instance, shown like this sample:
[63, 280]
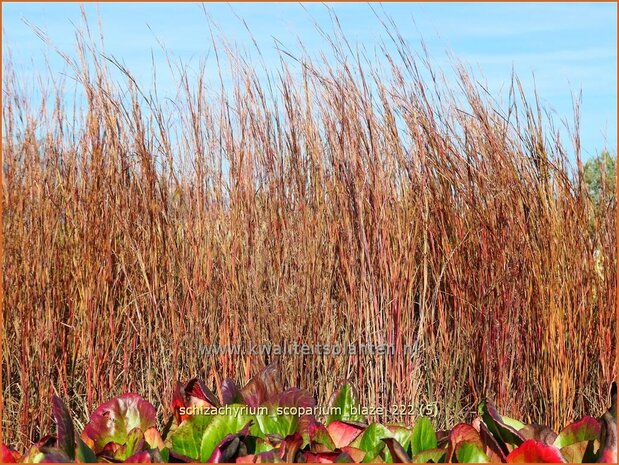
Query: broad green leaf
[469, 452]
[218, 428]
[344, 405]
[370, 441]
[424, 436]
[434, 455]
[272, 423]
[187, 438]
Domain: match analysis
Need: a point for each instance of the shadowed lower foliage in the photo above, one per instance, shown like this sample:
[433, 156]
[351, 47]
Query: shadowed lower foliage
[355, 200]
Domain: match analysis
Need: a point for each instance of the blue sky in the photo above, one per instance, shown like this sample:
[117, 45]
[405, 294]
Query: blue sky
[567, 46]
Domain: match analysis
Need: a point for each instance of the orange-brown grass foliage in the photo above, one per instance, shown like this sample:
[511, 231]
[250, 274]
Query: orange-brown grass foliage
[353, 199]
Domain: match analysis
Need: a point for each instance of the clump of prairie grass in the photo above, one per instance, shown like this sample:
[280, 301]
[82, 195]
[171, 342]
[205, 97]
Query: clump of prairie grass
[343, 201]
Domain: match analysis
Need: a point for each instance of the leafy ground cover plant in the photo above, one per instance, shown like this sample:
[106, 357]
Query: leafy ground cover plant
[245, 425]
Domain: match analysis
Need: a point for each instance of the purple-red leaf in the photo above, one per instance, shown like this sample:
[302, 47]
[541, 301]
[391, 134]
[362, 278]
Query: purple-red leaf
[503, 434]
[608, 436]
[289, 447]
[64, 427]
[225, 450]
[493, 449]
[293, 397]
[193, 394]
[326, 457]
[230, 393]
[398, 454]
[263, 386]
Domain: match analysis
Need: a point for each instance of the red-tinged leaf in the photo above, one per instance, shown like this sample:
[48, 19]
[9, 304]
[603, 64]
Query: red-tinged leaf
[111, 450]
[537, 452]
[196, 389]
[64, 427]
[403, 435]
[230, 392]
[586, 429]
[45, 455]
[289, 447]
[140, 457]
[195, 395]
[322, 457]
[115, 419]
[398, 454]
[135, 443]
[315, 434]
[493, 450]
[503, 434]
[344, 432]
[9, 455]
[263, 386]
[540, 433]
[462, 433]
[356, 454]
